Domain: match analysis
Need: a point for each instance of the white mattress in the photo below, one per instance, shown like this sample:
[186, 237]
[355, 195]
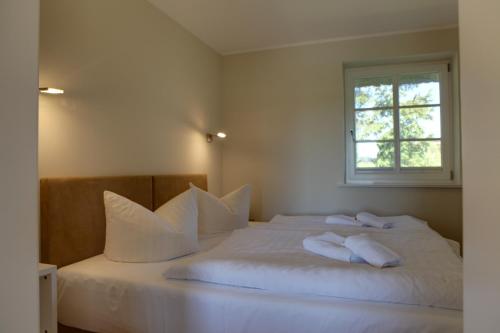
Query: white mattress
[107, 297]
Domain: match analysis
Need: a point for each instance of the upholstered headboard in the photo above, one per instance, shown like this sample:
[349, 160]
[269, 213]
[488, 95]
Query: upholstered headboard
[73, 224]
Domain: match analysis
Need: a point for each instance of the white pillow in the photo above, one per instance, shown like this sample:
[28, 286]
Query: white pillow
[225, 214]
[136, 234]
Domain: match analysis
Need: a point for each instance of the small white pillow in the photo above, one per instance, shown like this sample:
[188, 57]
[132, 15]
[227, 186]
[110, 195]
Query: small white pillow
[225, 214]
[136, 234]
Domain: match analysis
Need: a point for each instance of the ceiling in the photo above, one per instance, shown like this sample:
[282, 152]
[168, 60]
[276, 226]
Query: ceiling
[233, 26]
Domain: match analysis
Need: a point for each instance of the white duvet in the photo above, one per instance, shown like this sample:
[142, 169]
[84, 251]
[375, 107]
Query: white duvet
[271, 257]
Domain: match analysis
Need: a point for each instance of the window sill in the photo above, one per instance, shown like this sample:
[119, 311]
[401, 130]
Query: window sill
[382, 185]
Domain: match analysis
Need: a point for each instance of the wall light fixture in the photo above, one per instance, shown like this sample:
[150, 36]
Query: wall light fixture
[220, 135]
[51, 91]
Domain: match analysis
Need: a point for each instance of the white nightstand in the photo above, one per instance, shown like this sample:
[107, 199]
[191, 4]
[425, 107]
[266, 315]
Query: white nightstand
[48, 298]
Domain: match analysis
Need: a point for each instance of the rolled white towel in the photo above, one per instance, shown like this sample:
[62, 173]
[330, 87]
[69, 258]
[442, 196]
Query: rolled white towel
[371, 220]
[372, 251]
[330, 245]
[342, 220]
[330, 237]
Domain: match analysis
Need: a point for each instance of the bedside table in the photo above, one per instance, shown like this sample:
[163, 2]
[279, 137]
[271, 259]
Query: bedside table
[48, 298]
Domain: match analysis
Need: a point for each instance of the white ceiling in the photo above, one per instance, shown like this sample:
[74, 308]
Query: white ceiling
[232, 26]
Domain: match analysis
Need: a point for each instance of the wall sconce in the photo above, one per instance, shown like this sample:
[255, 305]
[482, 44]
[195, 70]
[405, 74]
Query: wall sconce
[220, 135]
[51, 91]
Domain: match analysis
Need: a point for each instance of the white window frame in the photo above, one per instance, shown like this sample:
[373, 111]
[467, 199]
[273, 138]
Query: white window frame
[449, 172]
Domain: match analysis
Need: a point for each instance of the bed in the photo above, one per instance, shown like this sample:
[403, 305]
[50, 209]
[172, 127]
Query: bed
[98, 295]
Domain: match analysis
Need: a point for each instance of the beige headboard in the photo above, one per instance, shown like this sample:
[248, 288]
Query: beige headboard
[73, 224]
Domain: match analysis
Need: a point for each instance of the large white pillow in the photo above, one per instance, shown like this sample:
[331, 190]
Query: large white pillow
[223, 214]
[136, 234]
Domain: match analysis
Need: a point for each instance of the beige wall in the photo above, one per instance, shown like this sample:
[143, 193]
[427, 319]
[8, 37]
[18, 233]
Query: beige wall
[284, 113]
[141, 92]
[480, 70]
[18, 166]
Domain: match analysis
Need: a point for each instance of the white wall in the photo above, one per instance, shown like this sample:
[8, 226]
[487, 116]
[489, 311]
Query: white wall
[284, 113]
[141, 92]
[480, 67]
[18, 166]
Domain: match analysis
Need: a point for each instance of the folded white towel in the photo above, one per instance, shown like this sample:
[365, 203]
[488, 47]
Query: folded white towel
[371, 220]
[342, 220]
[331, 237]
[372, 251]
[330, 245]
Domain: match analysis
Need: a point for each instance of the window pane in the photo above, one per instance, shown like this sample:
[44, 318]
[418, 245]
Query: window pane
[419, 89]
[374, 125]
[374, 155]
[420, 123]
[420, 154]
[373, 92]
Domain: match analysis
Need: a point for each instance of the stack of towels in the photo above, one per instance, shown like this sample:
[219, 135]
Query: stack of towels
[362, 219]
[353, 249]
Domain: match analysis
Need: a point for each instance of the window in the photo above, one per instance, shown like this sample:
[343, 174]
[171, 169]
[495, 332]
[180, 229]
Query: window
[400, 125]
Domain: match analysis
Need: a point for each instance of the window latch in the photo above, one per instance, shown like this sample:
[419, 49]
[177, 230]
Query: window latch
[352, 134]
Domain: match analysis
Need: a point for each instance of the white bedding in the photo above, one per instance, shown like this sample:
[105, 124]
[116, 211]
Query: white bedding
[110, 297]
[271, 257]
